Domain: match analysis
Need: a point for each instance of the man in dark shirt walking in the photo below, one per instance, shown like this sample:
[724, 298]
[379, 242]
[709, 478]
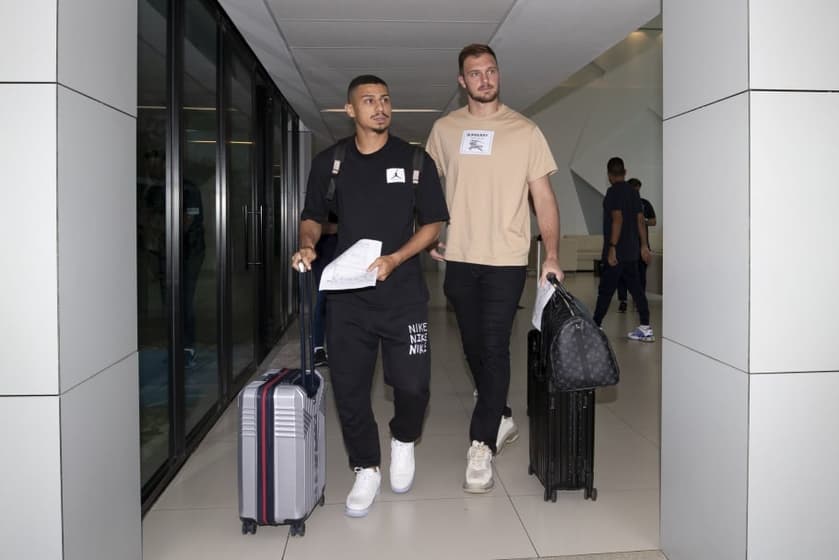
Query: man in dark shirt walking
[623, 233]
[649, 221]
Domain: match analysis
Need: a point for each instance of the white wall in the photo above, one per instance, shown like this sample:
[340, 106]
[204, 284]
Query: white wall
[748, 318]
[610, 108]
[68, 338]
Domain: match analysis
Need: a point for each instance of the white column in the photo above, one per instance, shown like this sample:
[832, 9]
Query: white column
[750, 366]
[70, 480]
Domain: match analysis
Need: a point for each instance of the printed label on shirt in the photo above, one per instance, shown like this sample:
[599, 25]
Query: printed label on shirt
[396, 175]
[477, 142]
[418, 334]
[193, 211]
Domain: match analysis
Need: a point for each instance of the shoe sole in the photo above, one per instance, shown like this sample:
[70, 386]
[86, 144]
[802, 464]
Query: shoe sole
[651, 339]
[356, 512]
[402, 490]
[478, 489]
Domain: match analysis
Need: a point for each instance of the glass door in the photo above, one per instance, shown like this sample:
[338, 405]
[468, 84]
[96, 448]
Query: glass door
[278, 279]
[152, 288]
[199, 262]
[244, 216]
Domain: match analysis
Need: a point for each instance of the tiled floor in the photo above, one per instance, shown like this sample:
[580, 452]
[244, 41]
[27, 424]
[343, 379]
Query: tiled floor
[196, 517]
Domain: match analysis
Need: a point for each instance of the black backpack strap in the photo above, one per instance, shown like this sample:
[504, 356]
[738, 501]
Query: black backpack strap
[337, 159]
[419, 158]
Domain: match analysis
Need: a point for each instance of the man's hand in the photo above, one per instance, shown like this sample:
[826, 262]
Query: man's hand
[612, 256]
[386, 265]
[304, 256]
[435, 252]
[551, 265]
[646, 255]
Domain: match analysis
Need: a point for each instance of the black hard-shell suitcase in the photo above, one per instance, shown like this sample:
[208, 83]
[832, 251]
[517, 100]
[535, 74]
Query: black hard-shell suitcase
[561, 425]
[282, 445]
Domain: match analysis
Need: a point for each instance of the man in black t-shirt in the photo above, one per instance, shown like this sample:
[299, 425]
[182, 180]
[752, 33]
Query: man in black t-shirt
[649, 220]
[375, 198]
[623, 234]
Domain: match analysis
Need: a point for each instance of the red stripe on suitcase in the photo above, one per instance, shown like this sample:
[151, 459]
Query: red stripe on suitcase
[264, 394]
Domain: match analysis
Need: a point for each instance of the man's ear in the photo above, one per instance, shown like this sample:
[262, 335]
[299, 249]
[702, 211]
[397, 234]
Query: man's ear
[461, 81]
[350, 111]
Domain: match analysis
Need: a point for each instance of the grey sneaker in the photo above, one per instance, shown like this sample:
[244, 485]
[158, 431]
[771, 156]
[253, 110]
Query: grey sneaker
[644, 333]
[478, 469]
[508, 432]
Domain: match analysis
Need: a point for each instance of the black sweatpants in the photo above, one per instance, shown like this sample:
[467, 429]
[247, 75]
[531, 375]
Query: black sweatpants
[485, 300]
[642, 279]
[609, 278]
[354, 333]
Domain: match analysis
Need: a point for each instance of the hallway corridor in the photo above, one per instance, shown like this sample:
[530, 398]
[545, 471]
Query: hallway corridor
[196, 517]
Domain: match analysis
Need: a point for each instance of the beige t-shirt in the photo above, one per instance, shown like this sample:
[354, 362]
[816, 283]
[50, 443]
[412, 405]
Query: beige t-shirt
[486, 163]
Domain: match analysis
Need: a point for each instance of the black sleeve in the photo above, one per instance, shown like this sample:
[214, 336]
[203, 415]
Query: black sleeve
[635, 202]
[612, 201]
[649, 211]
[430, 200]
[315, 207]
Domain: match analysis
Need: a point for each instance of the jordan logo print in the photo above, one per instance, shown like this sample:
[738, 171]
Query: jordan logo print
[396, 175]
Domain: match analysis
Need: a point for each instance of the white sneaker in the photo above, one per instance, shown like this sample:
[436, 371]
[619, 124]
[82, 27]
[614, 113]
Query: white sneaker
[508, 432]
[401, 465]
[478, 469]
[644, 333]
[364, 491]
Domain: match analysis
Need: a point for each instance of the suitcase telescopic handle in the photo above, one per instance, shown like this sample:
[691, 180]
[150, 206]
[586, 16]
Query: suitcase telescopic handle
[307, 351]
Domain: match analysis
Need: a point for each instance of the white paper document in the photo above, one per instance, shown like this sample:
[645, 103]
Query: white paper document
[348, 271]
[543, 296]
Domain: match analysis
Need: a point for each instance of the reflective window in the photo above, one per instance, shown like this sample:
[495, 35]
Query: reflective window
[280, 255]
[199, 262]
[243, 216]
[152, 308]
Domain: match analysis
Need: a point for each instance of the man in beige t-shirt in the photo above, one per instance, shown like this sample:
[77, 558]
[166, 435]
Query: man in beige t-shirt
[492, 159]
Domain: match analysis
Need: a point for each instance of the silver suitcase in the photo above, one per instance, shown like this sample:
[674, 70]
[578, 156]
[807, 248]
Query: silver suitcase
[282, 445]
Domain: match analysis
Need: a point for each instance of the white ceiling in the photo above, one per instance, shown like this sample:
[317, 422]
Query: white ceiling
[313, 48]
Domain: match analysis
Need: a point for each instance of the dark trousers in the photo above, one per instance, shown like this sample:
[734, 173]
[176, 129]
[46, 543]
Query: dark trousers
[485, 300]
[610, 276]
[642, 279]
[354, 334]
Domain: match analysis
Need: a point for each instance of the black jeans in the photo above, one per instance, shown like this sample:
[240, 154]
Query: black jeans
[485, 300]
[354, 334]
[609, 279]
[642, 279]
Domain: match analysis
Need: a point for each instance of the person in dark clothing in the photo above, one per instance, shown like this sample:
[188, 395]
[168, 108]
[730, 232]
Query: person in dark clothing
[326, 252]
[375, 198]
[623, 234]
[193, 259]
[649, 221]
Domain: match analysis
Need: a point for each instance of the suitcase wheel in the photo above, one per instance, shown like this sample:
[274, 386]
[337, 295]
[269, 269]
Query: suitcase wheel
[530, 469]
[592, 495]
[322, 499]
[248, 526]
[297, 529]
[553, 496]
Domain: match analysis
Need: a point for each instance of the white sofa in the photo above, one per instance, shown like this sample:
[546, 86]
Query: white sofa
[578, 252]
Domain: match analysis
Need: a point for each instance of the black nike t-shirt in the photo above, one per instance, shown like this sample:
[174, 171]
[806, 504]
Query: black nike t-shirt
[375, 198]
